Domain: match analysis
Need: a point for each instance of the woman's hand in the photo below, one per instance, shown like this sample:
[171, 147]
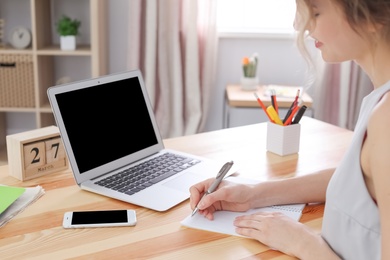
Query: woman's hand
[273, 229]
[282, 233]
[228, 196]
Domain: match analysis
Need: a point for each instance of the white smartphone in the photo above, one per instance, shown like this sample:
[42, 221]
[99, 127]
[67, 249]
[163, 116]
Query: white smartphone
[101, 218]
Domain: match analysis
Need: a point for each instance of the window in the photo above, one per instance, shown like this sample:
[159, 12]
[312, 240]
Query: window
[256, 16]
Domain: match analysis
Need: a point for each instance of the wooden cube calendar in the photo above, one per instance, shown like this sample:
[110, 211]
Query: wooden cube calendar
[35, 153]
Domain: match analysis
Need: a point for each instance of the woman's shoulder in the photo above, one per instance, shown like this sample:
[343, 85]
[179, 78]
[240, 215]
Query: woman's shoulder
[380, 114]
[383, 106]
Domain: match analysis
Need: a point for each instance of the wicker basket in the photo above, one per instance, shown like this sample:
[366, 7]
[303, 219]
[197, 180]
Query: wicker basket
[16, 81]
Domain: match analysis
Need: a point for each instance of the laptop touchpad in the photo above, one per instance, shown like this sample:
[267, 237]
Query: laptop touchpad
[184, 182]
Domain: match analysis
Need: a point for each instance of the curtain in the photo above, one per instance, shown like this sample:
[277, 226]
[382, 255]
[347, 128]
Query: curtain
[360, 86]
[174, 44]
[339, 91]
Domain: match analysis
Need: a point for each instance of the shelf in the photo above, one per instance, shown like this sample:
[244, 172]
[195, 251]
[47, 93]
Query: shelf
[18, 109]
[45, 109]
[48, 62]
[82, 50]
[10, 50]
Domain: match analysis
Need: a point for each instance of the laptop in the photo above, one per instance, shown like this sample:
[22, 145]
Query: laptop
[111, 138]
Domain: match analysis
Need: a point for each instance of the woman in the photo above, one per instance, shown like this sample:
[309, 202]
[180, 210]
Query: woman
[356, 223]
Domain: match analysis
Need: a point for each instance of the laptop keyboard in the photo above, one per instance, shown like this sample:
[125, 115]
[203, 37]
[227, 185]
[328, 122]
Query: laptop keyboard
[150, 172]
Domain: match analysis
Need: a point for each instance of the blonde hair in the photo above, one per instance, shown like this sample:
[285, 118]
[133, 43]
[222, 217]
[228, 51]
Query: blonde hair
[302, 23]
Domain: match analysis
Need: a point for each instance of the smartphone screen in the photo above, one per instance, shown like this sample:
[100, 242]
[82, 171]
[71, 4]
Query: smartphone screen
[99, 218]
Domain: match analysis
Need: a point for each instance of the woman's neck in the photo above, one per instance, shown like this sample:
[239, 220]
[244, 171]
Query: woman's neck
[377, 65]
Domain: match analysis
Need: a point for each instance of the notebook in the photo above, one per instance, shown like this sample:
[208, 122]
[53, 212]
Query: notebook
[223, 220]
[8, 195]
[107, 126]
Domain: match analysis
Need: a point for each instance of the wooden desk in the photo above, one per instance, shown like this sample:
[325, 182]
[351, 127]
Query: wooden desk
[37, 232]
[238, 98]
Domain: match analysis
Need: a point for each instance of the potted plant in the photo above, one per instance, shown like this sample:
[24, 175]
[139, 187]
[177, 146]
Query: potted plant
[249, 80]
[68, 29]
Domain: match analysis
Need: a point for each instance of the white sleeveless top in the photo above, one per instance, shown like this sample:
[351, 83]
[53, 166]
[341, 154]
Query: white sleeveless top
[351, 224]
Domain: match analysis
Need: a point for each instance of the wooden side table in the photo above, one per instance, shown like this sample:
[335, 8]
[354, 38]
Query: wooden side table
[235, 97]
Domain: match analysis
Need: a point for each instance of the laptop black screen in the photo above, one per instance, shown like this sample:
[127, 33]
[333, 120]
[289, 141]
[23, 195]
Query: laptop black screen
[106, 122]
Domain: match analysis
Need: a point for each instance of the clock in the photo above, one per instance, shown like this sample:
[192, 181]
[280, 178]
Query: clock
[36, 153]
[20, 37]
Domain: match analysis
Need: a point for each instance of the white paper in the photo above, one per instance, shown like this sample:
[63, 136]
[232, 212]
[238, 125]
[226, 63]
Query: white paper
[223, 220]
[27, 198]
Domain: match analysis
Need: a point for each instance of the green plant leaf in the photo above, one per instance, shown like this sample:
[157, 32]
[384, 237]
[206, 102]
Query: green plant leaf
[67, 26]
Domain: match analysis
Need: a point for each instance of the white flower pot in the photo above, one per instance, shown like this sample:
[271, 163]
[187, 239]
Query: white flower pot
[248, 83]
[68, 43]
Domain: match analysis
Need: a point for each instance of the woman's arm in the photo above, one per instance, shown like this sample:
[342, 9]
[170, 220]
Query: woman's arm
[301, 189]
[241, 197]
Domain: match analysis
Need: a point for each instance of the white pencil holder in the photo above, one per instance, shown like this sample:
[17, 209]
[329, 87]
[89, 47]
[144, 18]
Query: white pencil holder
[283, 140]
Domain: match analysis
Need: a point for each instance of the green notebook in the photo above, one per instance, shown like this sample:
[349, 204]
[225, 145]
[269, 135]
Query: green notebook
[8, 195]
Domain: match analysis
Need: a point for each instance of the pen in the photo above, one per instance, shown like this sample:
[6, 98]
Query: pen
[289, 119]
[263, 107]
[293, 105]
[299, 115]
[289, 112]
[296, 97]
[221, 174]
[274, 101]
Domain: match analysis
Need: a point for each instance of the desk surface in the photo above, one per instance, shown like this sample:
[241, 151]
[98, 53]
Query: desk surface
[37, 232]
[236, 97]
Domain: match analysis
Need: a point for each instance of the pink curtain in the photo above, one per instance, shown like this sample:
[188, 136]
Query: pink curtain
[174, 44]
[359, 87]
[327, 102]
[339, 91]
